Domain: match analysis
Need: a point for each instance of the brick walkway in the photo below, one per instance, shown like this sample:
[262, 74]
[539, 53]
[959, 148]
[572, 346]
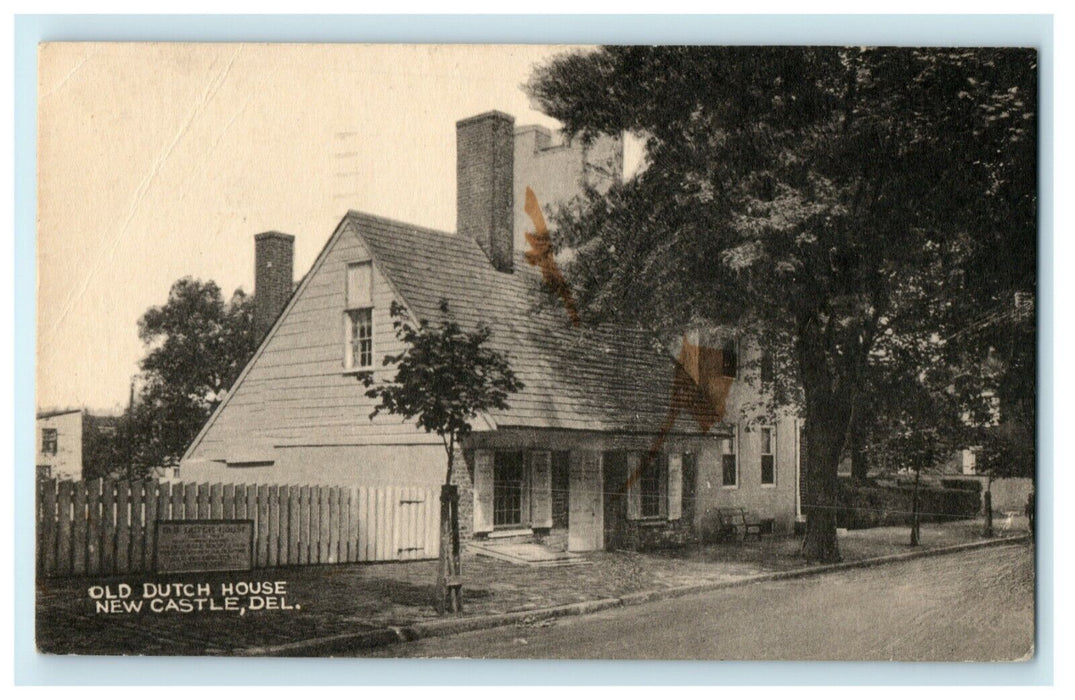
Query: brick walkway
[353, 598]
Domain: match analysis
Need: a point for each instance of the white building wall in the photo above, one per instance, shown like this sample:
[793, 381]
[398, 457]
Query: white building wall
[66, 461]
[746, 413]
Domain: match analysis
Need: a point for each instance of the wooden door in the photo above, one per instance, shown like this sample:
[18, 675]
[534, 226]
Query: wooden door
[585, 508]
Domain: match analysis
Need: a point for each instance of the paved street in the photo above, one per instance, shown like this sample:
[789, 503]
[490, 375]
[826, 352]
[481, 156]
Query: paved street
[363, 598]
[977, 605]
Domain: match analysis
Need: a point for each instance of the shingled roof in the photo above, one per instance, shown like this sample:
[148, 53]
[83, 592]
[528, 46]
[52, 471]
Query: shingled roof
[604, 378]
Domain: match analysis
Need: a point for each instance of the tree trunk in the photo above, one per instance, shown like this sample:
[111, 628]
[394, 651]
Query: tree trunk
[828, 413]
[449, 589]
[449, 585]
[914, 508]
[856, 445]
[821, 489]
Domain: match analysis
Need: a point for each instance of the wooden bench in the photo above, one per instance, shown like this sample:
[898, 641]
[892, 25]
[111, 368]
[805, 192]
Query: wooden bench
[734, 521]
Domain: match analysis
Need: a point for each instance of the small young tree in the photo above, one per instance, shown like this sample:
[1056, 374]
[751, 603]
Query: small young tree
[444, 378]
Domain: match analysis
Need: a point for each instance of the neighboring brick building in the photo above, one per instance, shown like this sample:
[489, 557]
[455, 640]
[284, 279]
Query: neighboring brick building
[566, 463]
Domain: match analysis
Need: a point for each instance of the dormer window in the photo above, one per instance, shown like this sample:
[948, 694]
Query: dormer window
[358, 317]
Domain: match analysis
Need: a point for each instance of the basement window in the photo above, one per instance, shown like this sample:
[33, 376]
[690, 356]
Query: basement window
[358, 317]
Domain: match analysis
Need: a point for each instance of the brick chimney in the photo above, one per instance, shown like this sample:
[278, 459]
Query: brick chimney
[274, 254]
[485, 161]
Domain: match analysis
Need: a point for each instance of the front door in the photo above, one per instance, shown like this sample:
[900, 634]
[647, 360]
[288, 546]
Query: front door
[584, 502]
[615, 500]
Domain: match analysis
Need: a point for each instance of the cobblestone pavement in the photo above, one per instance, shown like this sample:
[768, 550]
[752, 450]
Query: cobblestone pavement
[337, 599]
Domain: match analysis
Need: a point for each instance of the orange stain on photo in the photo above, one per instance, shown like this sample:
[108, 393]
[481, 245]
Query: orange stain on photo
[699, 386]
[541, 256]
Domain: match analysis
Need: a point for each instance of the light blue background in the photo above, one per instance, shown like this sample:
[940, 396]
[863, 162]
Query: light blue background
[943, 30]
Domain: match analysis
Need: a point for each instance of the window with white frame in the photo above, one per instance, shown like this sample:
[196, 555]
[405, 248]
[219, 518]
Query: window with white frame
[729, 463]
[358, 317]
[767, 450]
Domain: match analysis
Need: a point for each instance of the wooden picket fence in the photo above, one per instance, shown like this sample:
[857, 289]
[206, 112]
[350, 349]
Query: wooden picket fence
[102, 527]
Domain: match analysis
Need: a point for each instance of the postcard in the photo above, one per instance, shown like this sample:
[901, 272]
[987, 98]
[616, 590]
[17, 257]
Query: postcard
[536, 351]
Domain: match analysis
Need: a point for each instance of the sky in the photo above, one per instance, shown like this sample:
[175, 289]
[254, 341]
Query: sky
[158, 161]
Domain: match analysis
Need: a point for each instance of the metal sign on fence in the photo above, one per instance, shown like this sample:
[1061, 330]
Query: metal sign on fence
[186, 546]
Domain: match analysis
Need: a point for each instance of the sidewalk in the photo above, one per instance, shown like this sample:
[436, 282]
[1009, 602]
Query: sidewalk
[347, 600]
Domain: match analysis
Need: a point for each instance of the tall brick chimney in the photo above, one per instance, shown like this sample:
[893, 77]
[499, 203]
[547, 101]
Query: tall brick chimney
[485, 161]
[274, 254]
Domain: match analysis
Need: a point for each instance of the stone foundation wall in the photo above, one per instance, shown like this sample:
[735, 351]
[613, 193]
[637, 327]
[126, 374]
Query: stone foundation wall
[461, 477]
[642, 535]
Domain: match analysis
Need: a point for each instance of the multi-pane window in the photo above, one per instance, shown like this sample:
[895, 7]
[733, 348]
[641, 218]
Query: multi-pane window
[358, 317]
[360, 338]
[650, 484]
[729, 464]
[49, 440]
[508, 482]
[768, 458]
[44, 471]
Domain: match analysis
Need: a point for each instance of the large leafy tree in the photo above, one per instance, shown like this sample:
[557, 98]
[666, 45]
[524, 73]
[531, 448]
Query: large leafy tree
[197, 344]
[1005, 427]
[106, 449]
[833, 201]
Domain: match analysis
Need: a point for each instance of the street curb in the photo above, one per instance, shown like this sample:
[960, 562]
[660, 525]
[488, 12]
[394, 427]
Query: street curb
[355, 641]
